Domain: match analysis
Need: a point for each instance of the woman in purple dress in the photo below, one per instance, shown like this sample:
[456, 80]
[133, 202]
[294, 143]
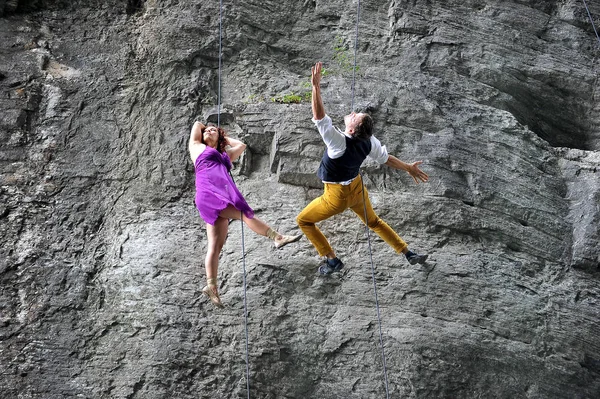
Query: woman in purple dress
[218, 199]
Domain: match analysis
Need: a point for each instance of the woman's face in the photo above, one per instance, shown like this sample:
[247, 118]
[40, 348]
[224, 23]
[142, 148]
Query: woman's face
[210, 135]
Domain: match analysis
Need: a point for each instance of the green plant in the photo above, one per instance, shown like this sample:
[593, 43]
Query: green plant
[207, 100]
[343, 63]
[291, 98]
[343, 57]
[254, 98]
[340, 52]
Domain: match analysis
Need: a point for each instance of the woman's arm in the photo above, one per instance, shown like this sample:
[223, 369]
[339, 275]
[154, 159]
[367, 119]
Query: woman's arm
[196, 134]
[195, 145]
[234, 148]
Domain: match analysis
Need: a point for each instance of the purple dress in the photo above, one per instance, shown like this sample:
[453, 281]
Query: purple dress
[215, 189]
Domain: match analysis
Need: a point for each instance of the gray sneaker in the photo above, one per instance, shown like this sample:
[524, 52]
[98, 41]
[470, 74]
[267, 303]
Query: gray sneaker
[326, 269]
[416, 258]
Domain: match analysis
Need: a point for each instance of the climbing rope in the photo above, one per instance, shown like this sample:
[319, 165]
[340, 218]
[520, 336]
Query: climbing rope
[387, 390]
[241, 213]
[355, 47]
[245, 307]
[220, 62]
[591, 20]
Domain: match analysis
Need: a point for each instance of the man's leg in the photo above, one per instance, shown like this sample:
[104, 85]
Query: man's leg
[375, 223]
[321, 208]
[380, 227]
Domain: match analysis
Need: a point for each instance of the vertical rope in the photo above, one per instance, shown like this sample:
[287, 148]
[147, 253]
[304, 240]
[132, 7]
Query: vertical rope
[220, 62]
[387, 390]
[241, 213]
[245, 307]
[355, 47]
[591, 20]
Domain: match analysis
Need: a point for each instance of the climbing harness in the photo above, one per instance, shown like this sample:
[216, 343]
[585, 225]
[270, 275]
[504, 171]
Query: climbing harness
[241, 213]
[387, 390]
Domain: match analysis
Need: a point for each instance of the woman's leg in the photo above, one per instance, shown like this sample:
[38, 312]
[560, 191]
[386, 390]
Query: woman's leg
[259, 227]
[217, 234]
[255, 224]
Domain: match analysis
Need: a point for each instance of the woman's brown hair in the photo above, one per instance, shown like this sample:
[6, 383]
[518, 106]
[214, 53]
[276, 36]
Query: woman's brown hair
[221, 141]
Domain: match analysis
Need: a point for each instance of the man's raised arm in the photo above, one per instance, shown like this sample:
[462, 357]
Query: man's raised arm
[318, 108]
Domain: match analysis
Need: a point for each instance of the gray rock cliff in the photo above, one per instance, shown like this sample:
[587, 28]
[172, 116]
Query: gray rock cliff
[101, 262]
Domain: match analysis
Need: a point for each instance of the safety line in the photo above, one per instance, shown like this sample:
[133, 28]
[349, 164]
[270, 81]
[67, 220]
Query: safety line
[220, 56]
[387, 390]
[355, 46]
[241, 213]
[591, 20]
[245, 307]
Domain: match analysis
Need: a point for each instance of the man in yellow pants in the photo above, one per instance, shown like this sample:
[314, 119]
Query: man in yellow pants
[339, 171]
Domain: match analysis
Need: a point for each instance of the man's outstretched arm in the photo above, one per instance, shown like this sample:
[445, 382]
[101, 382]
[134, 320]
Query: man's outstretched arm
[318, 108]
[410, 168]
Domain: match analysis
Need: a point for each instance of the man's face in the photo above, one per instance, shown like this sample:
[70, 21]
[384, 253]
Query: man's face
[352, 121]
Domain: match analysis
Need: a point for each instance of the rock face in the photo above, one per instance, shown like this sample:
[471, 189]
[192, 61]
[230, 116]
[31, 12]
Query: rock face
[101, 263]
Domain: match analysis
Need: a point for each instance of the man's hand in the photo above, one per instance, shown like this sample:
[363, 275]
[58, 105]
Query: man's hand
[318, 108]
[416, 173]
[316, 74]
[410, 168]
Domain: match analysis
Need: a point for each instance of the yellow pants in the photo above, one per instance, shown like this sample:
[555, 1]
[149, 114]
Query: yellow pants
[336, 199]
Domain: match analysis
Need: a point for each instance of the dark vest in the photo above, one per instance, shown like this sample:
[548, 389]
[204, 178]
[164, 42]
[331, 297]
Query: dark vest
[347, 166]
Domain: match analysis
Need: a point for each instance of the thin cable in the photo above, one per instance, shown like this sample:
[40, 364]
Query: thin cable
[220, 57]
[387, 390]
[245, 299]
[245, 307]
[241, 213]
[591, 20]
[355, 47]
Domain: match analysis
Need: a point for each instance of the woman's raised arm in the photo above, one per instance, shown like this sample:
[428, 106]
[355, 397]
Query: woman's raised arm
[235, 148]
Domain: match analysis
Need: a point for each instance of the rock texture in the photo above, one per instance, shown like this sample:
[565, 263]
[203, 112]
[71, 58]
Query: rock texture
[101, 263]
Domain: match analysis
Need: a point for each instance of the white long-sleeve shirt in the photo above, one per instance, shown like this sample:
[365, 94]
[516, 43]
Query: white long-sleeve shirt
[335, 140]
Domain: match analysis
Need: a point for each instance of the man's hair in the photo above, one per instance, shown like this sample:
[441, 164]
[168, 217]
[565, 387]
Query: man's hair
[364, 130]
